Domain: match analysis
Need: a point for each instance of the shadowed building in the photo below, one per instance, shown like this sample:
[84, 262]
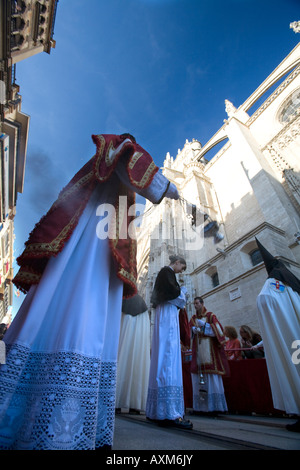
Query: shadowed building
[26, 29]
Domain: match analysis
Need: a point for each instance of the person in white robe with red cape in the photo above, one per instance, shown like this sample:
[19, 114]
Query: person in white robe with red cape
[57, 388]
[278, 306]
[165, 400]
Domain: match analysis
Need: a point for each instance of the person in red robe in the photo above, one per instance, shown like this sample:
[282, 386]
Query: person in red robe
[209, 362]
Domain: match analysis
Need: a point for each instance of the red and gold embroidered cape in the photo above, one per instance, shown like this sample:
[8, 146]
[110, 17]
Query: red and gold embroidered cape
[53, 230]
[218, 362]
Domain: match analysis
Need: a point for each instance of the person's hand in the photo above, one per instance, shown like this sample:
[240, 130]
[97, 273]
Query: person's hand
[195, 329]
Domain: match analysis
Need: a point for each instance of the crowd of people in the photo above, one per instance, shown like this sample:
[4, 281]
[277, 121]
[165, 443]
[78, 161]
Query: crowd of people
[206, 347]
[250, 346]
[60, 384]
[195, 381]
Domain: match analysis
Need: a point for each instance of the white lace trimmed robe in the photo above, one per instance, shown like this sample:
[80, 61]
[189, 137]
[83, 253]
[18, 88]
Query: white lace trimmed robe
[165, 399]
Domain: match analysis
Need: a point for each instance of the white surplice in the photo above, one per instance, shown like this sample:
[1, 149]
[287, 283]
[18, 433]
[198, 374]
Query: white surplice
[165, 400]
[279, 319]
[57, 388]
[133, 362]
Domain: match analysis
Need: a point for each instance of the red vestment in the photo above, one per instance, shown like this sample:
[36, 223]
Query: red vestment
[185, 331]
[55, 228]
[213, 360]
[185, 340]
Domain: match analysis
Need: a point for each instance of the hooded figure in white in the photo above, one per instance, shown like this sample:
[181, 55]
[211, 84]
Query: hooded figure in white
[279, 317]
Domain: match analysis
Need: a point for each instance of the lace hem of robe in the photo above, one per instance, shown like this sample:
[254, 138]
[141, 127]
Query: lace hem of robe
[165, 403]
[56, 401]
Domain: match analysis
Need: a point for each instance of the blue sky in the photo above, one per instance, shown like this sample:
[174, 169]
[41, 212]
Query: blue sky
[159, 69]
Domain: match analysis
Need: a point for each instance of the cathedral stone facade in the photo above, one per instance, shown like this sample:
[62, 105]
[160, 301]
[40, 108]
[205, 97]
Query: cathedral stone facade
[250, 188]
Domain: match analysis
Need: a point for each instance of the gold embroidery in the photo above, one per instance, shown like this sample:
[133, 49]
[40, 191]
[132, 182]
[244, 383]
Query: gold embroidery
[100, 156]
[128, 276]
[68, 192]
[28, 277]
[134, 159]
[37, 253]
[148, 173]
[108, 160]
[53, 246]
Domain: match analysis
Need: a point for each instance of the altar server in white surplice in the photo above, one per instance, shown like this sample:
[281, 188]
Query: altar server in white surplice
[165, 401]
[279, 317]
[133, 355]
[57, 388]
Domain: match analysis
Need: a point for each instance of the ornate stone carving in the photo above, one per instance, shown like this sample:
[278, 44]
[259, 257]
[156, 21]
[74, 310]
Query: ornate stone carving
[287, 135]
[275, 150]
[229, 108]
[295, 26]
[274, 95]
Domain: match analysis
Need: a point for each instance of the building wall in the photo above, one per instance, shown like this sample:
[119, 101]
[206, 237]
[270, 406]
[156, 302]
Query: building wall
[26, 28]
[251, 187]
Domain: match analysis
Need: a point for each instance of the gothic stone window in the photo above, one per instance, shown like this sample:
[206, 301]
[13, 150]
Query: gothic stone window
[212, 277]
[256, 257]
[290, 108]
[215, 279]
